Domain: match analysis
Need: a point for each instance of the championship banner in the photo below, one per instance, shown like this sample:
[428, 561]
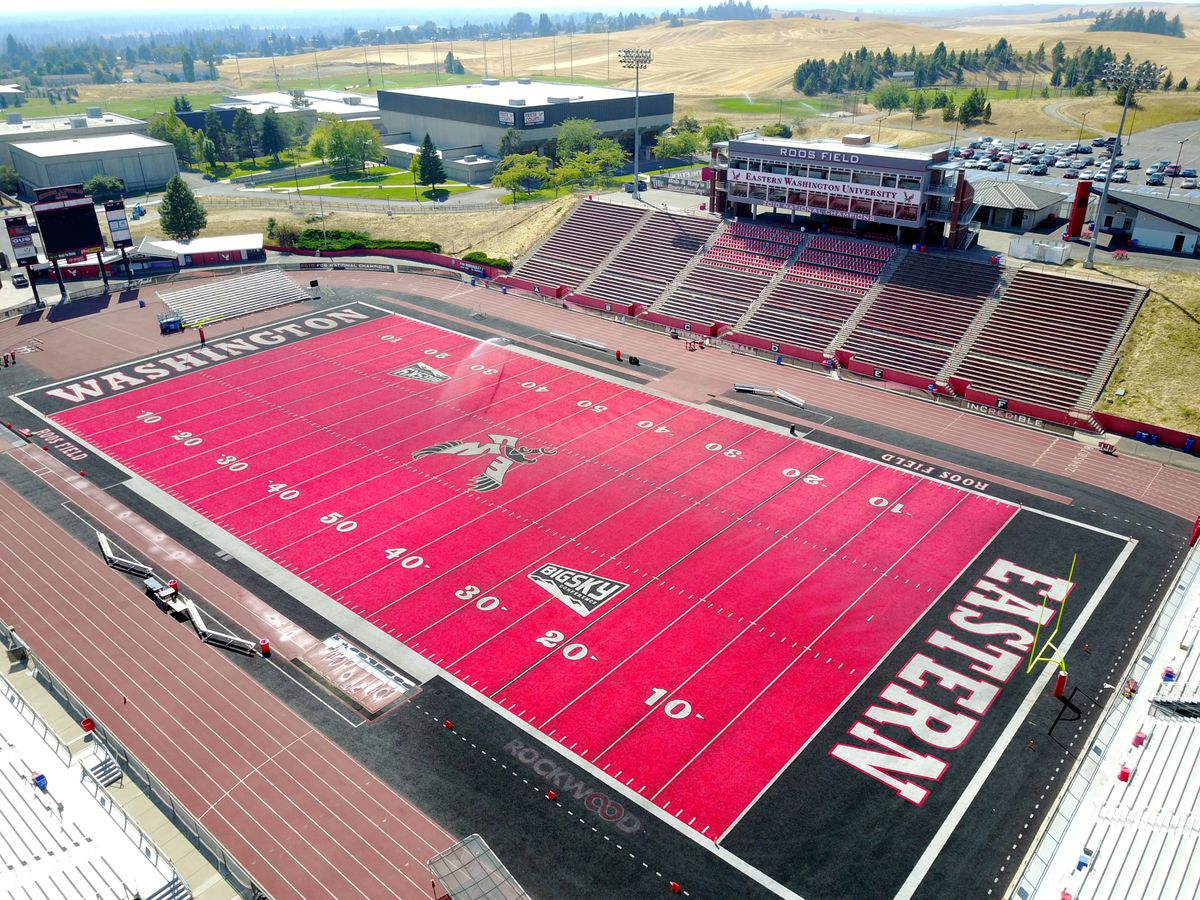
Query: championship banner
[118, 223]
[818, 185]
[21, 238]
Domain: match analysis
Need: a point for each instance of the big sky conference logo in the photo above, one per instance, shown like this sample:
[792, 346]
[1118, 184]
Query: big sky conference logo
[422, 372]
[505, 450]
[582, 591]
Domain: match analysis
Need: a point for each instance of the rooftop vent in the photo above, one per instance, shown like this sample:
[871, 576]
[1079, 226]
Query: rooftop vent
[15, 119]
[558, 99]
[352, 99]
[491, 81]
[525, 80]
[93, 112]
[77, 121]
[516, 101]
[857, 140]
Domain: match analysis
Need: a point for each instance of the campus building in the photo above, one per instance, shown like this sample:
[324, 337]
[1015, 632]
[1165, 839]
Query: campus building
[851, 184]
[295, 104]
[471, 119]
[141, 162]
[17, 128]
[1151, 223]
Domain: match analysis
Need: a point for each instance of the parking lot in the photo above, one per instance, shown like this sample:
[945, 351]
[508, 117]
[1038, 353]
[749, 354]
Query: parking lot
[1055, 165]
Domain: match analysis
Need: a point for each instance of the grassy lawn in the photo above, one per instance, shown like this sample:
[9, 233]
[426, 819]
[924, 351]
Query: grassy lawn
[774, 110]
[397, 187]
[138, 108]
[253, 166]
[541, 194]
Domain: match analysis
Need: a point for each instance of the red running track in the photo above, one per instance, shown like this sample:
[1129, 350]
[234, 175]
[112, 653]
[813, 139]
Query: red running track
[764, 577]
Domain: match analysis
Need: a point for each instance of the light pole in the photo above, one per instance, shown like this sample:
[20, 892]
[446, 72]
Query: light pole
[1178, 157]
[1142, 77]
[1012, 152]
[145, 184]
[1082, 122]
[636, 59]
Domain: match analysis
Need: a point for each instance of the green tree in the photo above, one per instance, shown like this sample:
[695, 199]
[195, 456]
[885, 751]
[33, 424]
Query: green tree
[510, 142]
[579, 169]
[432, 172]
[245, 134]
[521, 172]
[102, 188]
[719, 129]
[679, 145]
[949, 112]
[1182, 84]
[209, 151]
[189, 65]
[180, 214]
[918, 105]
[889, 97]
[170, 128]
[215, 132]
[10, 183]
[607, 156]
[688, 122]
[272, 136]
[776, 129]
[575, 136]
[181, 104]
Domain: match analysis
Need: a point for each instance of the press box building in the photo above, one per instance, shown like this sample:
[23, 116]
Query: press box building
[141, 162]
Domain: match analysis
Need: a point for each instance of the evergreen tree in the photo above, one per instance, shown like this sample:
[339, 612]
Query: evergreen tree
[215, 132]
[273, 136]
[180, 213]
[102, 188]
[433, 172]
[245, 133]
[510, 143]
[189, 66]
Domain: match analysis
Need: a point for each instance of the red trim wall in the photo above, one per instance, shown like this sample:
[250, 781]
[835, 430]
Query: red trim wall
[435, 259]
[758, 343]
[627, 309]
[683, 325]
[1169, 437]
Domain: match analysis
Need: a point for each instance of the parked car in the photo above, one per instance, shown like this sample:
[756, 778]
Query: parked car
[1133, 163]
[1084, 148]
[1070, 173]
[1119, 176]
[1188, 184]
[1097, 142]
[1155, 179]
[1171, 171]
[1189, 172]
[1038, 147]
[20, 280]
[1078, 164]
[1100, 176]
[972, 164]
[1062, 162]
[996, 167]
[1025, 170]
[1040, 169]
[1005, 157]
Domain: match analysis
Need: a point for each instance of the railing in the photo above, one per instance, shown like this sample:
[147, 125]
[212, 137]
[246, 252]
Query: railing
[230, 869]
[146, 846]
[37, 723]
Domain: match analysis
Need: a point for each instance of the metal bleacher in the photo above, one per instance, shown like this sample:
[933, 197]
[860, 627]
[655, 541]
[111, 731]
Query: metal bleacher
[232, 297]
[63, 838]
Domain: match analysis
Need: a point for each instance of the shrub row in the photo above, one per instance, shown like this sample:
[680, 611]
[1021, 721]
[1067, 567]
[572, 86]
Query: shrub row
[337, 239]
[483, 259]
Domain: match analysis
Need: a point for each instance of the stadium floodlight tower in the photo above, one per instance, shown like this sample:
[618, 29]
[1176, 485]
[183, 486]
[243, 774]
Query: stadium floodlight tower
[636, 59]
[1134, 79]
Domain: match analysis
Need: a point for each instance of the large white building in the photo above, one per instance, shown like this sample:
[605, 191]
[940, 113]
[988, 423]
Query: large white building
[466, 119]
[141, 162]
[16, 128]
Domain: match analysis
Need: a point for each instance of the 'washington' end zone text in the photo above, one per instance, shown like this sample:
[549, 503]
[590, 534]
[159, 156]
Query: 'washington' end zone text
[121, 379]
[933, 700]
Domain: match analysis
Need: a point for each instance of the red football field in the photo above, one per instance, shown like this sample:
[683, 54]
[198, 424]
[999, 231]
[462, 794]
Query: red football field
[707, 593]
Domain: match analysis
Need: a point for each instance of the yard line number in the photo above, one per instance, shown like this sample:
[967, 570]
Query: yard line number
[675, 709]
[573, 652]
[486, 603]
[232, 463]
[339, 522]
[149, 417]
[411, 561]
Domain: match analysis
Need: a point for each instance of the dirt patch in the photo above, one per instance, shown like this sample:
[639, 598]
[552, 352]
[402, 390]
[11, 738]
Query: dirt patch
[1158, 370]
[507, 232]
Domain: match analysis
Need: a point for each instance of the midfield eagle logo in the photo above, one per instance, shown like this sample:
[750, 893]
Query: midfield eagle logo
[503, 447]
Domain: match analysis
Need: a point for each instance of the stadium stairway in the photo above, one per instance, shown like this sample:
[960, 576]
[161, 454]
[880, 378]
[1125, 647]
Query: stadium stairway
[864, 305]
[680, 277]
[770, 286]
[602, 268]
[967, 341]
[175, 889]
